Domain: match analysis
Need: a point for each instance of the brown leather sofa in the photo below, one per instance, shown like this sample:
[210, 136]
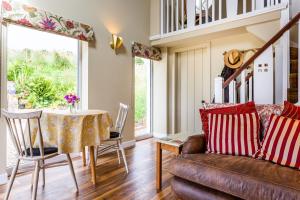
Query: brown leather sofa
[198, 175]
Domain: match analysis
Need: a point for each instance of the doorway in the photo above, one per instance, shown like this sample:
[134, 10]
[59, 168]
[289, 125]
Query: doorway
[143, 98]
[193, 87]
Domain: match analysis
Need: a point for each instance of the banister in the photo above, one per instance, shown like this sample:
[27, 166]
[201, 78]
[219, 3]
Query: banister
[262, 49]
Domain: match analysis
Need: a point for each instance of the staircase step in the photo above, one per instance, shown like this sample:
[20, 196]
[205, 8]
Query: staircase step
[293, 53]
[293, 95]
[294, 80]
[294, 66]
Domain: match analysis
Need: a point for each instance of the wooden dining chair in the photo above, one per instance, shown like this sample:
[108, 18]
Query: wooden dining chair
[115, 140]
[24, 144]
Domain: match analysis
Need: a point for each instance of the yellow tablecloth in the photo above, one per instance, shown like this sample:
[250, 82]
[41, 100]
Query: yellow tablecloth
[70, 132]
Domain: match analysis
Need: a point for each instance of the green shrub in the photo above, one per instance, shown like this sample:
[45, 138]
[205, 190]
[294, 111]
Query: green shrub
[42, 78]
[41, 92]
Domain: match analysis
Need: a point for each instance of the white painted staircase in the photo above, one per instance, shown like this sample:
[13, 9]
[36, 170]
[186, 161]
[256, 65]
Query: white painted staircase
[270, 75]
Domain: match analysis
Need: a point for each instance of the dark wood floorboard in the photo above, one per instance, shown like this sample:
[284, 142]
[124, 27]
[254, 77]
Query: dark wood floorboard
[112, 180]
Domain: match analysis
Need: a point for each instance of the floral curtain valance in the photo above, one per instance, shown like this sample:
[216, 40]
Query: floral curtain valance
[141, 50]
[17, 13]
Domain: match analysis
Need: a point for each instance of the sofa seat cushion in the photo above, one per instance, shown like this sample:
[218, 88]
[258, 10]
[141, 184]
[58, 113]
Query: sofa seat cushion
[242, 177]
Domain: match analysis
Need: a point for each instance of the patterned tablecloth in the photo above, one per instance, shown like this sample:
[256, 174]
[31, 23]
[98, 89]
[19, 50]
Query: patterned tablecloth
[71, 131]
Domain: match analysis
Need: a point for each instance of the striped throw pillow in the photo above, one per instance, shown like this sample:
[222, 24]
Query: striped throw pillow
[291, 111]
[281, 144]
[236, 134]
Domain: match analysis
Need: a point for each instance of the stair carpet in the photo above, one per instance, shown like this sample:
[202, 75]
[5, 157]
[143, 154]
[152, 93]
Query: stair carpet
[293, 77]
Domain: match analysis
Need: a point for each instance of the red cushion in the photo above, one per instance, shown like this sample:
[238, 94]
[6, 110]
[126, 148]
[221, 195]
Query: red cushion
[236, 134]
[237, 109]
[281, 143]
[290, 111]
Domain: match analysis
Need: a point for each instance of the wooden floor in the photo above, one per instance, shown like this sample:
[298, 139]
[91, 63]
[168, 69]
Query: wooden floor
[112, 180]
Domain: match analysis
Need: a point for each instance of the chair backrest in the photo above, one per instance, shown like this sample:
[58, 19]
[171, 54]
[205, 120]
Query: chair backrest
[121, 119]
[22, 139]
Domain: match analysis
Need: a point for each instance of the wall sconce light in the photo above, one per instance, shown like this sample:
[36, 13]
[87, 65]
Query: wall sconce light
[116, 42]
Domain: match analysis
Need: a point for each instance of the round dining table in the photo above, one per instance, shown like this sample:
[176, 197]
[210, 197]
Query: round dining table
[72, 131]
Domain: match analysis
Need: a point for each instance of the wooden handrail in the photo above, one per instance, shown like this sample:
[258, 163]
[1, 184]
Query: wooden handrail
[262, 49]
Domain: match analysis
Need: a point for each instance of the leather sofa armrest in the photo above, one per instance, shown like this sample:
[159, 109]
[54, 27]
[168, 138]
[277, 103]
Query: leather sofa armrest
[194, 144]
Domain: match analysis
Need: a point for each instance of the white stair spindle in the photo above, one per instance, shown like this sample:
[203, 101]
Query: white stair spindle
[244, 7]
[200, 12]
[177, 17]
[252, 5]
[259, 4]
[182, 14]
[213, 10]
[220, 9]
[243, 87]
[250, 89]
[162, 22]
[219, 91]
[191, 13]
[168, 16]
[206, 12]
[172, 15]
[232, 92]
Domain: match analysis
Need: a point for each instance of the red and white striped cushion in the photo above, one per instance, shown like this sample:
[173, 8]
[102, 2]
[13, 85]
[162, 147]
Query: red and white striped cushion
[281, 144]
[236, 134]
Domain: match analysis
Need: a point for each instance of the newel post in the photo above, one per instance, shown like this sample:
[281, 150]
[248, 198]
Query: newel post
[219, 91]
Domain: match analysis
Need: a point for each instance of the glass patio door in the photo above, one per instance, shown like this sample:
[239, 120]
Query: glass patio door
[143, 98]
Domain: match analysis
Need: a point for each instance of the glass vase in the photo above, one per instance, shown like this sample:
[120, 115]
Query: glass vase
[72, 108]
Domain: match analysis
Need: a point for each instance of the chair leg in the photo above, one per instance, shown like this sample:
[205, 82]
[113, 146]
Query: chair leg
[44, 174]
[123, 155]
[36, 179]
[72, 171]
[12, 179]
[118, 153]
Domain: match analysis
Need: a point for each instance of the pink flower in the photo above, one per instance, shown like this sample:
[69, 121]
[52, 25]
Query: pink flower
[48, 24]
[24, 22]
[72, 99]
[6, 6]
[69, 25]
[81, 37]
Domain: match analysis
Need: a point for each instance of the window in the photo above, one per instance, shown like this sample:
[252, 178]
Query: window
[41, 68]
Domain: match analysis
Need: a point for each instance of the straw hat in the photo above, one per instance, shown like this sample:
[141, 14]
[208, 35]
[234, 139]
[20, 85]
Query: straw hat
[233, 58]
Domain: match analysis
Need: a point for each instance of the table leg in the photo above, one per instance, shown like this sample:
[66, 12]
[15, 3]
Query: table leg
[83, 157]
[158, 165]
[92, 164]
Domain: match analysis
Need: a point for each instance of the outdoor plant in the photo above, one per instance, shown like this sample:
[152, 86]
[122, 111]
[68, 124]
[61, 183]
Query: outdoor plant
[41, 92]
[41, 78]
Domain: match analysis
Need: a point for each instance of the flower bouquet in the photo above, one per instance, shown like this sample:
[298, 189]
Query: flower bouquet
[72, 100]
